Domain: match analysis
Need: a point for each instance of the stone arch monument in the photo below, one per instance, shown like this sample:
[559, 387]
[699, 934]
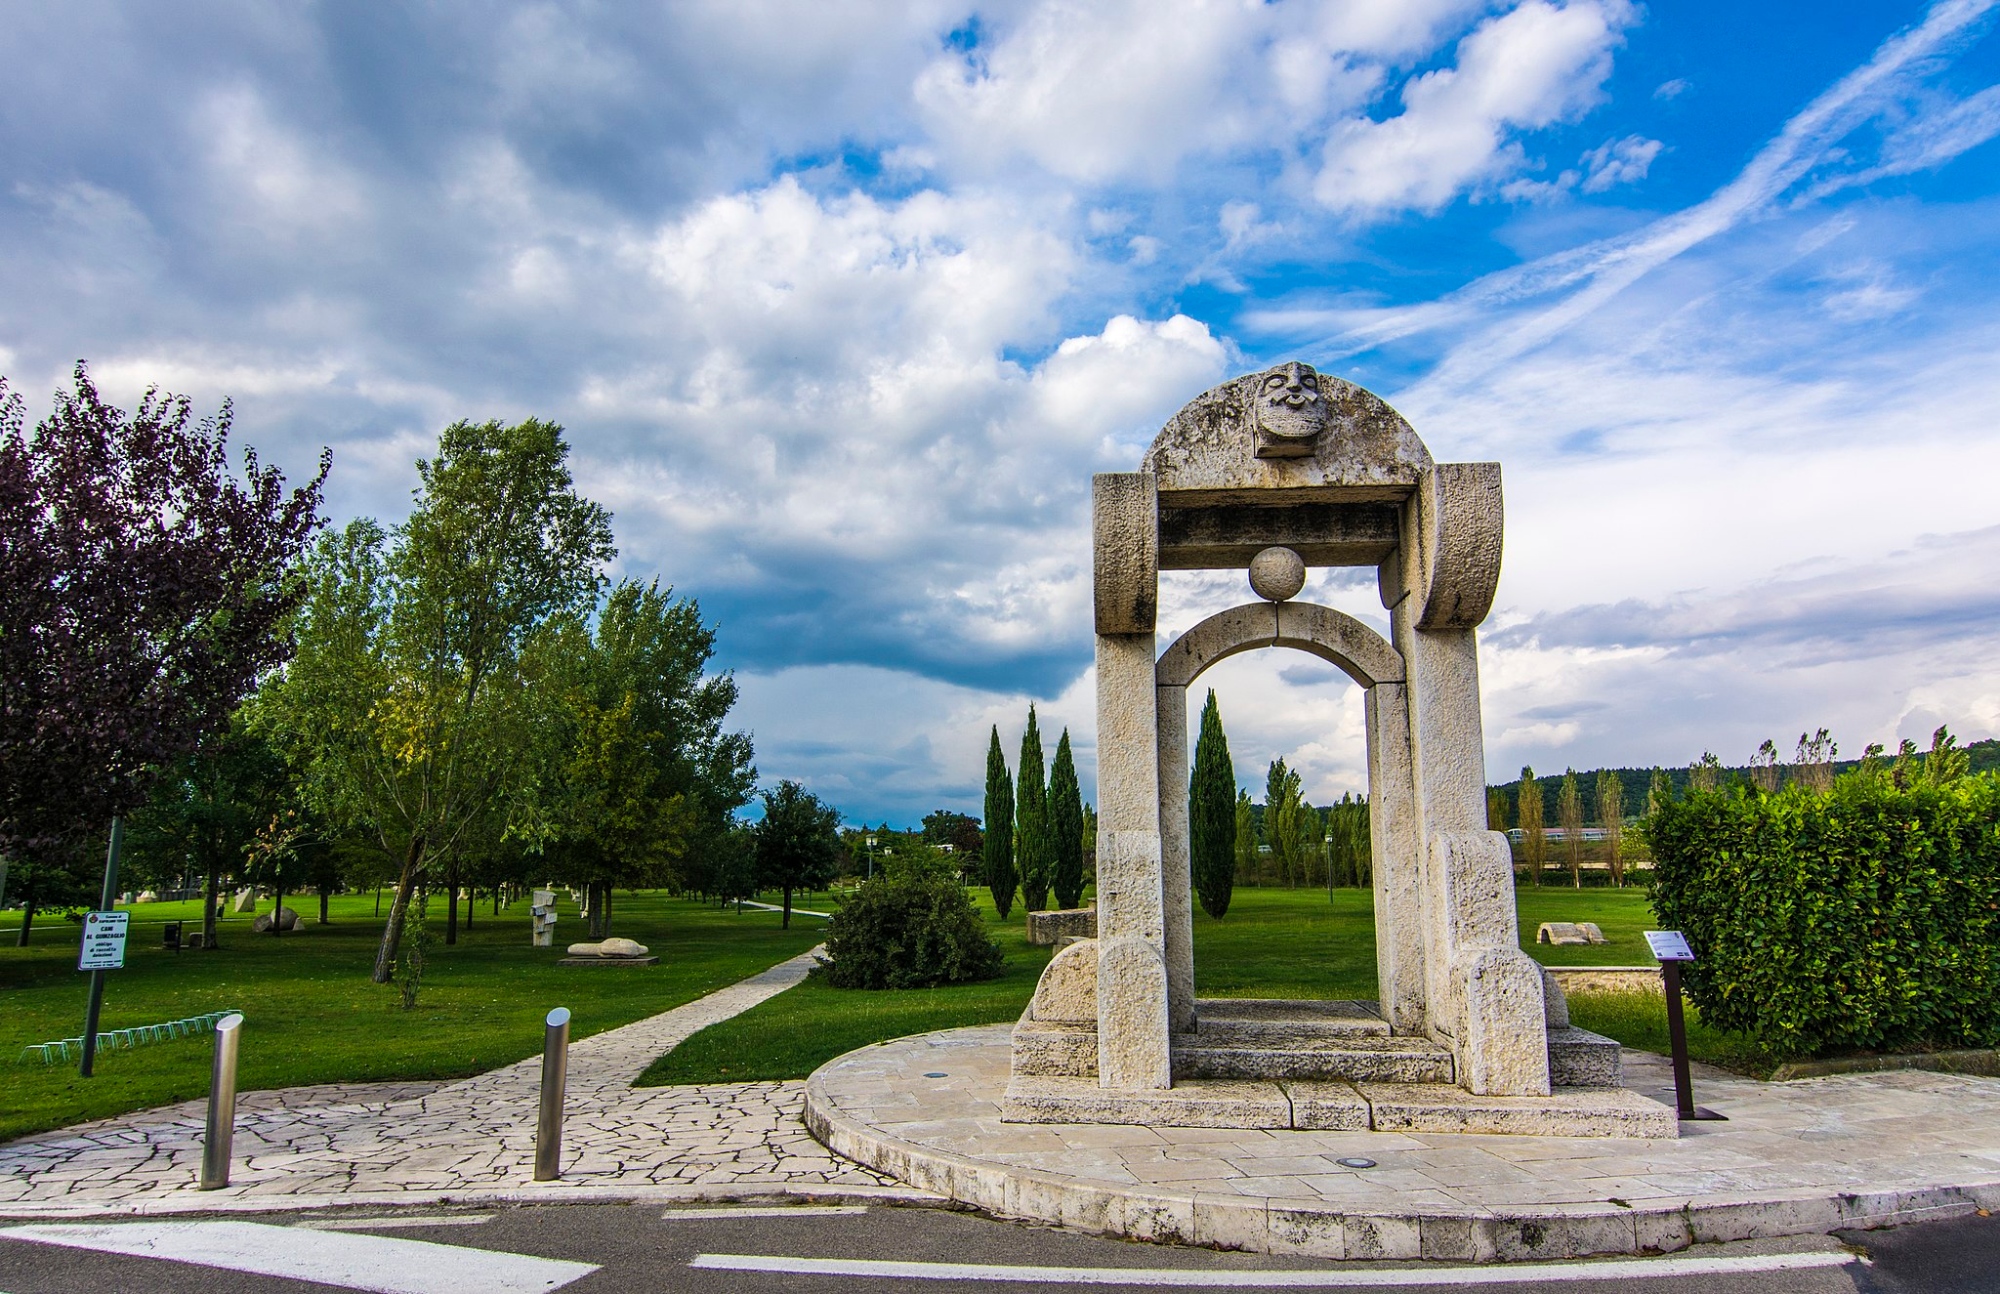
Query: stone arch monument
[1271, 473]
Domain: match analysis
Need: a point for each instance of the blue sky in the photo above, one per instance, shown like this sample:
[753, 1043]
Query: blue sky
[843, 304]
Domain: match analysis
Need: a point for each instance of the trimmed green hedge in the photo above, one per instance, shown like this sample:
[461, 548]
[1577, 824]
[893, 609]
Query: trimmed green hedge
[1865, 917]
[912, 926]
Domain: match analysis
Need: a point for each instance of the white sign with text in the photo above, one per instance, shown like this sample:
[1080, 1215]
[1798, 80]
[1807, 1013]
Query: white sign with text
[1669, 946]
[104, 941]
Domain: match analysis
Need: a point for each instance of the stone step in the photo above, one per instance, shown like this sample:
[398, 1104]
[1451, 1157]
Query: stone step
[1580, 1058]
[1282, 1018]
[1357, 1057]
[1378, 1107]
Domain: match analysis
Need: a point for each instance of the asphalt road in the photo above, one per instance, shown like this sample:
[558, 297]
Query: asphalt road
[589, 1249]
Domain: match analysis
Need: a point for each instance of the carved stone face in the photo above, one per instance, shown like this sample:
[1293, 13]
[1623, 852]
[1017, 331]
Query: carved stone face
[1289, 411]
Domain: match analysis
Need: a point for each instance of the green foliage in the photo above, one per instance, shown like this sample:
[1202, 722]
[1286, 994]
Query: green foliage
[1000, 875]
[1350, 843]
[1033, 853]
[1611, 801]
[912, 926]
[1283, 811]
[1569, 812]
[1065, 807]
[1246, 838]
[797, 841]
[1865, 917]
[1534, 844]
[1212, 814]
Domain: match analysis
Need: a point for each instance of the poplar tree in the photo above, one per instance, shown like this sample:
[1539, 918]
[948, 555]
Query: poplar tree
[1569, 810]
[999, 828]
[1611, 812]
[1212, 815]
[1660, 793]
[1246, 838]
[1065, 827]
[1528, 813]
[1281, 817]
[1031, 821]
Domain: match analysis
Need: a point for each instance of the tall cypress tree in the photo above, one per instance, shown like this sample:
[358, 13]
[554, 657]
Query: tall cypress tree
[1031, 821]
[1066, 827]
[999, 828]
[1212, 815]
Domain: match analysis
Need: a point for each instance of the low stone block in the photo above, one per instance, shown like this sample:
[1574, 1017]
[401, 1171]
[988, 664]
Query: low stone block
[1055, 1050]
[1046, 929]
[1327, 1107]
[1188, 1105]
[1067, 990]
[1565, 1112]
[1580, 1058]
[607, 961]
[283, 918]
[1561, 934]
[1357, 1058]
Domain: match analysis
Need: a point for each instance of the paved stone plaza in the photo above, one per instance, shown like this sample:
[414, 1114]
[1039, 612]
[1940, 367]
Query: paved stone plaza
[470, 1139]
[1794, 1159]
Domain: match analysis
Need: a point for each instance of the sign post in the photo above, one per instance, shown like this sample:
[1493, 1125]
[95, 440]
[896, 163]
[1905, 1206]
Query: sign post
[107, 951]
[1670, 949]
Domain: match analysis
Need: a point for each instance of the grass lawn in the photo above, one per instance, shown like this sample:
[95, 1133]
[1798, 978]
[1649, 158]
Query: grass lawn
[312, 1016]
[1273, 943]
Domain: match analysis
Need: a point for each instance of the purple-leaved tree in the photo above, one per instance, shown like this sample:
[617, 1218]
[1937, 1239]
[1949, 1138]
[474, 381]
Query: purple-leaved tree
[144, 587]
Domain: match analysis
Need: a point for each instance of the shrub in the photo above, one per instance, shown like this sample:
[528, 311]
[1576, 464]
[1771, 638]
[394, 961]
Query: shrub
[912, 926]
[1867, 916]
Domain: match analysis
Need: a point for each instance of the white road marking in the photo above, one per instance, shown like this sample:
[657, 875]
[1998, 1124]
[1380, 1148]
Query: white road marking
[770, 1211]
[379, 1264]
[1377, 1278]
[377, 1224]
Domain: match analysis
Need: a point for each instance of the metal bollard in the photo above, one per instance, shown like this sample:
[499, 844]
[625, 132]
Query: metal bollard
[555, 1076]
[221, 1104]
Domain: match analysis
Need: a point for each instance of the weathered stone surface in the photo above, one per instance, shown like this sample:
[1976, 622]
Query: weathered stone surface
[1505, 1047]
[1047, 929]
[1176, 864]
[1580, 1058]
[1362, 1059]
[1133, 1052]
[1555, 1002]
[246, 899]
[1254, 1018]
[1569, 933]
[1608, 979]
[1460, 506]
[1333, 636]
[1565, 1112]
[1125, 523]
[283, 918]
[1186, 1105]
[609, 948]
[1051, 1050]
[1067, 990]
[1277, 574]
[1327, 1107]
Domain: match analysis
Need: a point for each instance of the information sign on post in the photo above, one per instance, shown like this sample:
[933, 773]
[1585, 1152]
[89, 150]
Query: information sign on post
[1670, 949]
[104, 941]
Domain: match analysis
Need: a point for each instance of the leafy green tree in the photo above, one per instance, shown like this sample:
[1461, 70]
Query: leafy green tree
[204, 812]
[1033, 853]
[1349, 842]
[1528, 812]
[1212, 814]
[959, 830]
[1283, 820]
[1246, 839]
[1569, 811]
[798, 842]
[1000, 876]
[404, 705]
[1065, 827]
[1496, 809]
[1611, 813]
[1659, 792]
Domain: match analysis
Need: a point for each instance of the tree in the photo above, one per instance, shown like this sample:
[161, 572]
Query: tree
[1246, 838]
[1496, 809]
[1611, 812]
[798, 842]
[1065, 807]
[1212, 814]
[1659, 792]
[144, 587]
[1282, 820]
[1000, 877]
[205, 811]
[405, 705]
[1032, 851]
[958, 830]
[1350, 843]
[1569, 809]
[1528, 812]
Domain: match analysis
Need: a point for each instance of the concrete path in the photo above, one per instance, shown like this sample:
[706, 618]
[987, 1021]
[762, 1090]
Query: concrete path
[465, 1140]
[1795, 1158]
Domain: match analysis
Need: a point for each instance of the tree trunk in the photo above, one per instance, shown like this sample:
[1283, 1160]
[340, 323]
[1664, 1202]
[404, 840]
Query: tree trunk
[399, 907]
[27, 923]
[451, 901]
[471, 902]
[322, 905]
[278, 907]
[378, 898]
[787, 923]
[210, 903]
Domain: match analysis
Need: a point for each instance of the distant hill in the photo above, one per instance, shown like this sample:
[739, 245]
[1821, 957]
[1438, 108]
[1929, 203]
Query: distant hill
[1636, 783]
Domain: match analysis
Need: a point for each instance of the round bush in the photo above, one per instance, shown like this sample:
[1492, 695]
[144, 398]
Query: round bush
[908, 929]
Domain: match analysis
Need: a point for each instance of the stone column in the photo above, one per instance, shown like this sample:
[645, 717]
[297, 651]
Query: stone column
[1132, 1028]
[1397, 854]
[1176, 856]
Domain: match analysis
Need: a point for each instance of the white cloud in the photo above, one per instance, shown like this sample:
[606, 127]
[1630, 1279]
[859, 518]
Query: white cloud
[1618, 161]
[1535, 65]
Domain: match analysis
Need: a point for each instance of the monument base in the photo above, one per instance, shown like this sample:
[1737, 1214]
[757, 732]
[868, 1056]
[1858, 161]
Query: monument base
[607, 961]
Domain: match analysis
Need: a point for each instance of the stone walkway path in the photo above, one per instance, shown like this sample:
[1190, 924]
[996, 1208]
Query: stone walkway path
[470, 1140]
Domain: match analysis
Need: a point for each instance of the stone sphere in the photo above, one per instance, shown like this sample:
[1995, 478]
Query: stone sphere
[1277, 574]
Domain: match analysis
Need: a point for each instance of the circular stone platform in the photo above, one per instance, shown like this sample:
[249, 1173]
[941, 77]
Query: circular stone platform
[1799, 1158]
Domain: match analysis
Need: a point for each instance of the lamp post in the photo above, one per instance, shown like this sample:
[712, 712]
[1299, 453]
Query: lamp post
[871, 857]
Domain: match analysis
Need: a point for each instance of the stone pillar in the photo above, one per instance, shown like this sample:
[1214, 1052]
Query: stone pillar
[1397, 853]
[1132, 1027]
[1176, 856]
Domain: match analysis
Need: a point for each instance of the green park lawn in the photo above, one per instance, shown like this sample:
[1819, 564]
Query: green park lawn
[313, 1016]
[1273, 943]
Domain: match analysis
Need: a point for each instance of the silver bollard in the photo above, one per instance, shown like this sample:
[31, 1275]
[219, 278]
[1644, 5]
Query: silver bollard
[555, 1076]
[221, 1104]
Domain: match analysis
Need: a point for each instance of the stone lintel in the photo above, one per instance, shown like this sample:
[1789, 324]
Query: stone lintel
[1222, 536]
